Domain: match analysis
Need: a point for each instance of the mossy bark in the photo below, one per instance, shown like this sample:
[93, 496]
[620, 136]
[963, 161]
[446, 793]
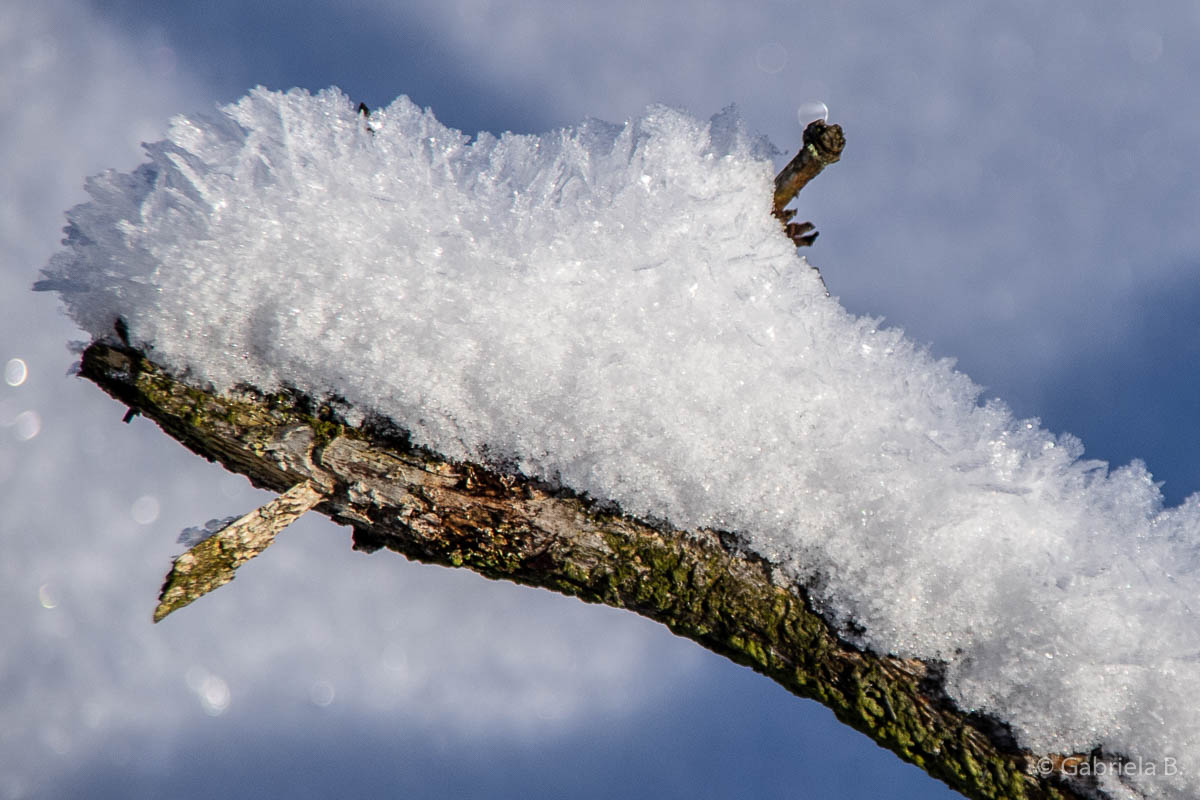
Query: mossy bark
[700, 584]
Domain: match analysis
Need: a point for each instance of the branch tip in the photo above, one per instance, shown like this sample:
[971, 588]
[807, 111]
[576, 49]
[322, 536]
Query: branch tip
[823, 145]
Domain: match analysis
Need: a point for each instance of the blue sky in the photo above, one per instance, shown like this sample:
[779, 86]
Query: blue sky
[1019, 191]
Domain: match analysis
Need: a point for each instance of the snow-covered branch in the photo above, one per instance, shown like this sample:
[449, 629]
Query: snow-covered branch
[612, 311]
[702, 584]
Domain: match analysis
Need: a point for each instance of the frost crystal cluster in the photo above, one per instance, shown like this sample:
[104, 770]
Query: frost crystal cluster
[613, 307]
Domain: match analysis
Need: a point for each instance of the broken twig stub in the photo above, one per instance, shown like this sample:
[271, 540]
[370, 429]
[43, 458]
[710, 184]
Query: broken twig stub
[212, 562]
[823, 145]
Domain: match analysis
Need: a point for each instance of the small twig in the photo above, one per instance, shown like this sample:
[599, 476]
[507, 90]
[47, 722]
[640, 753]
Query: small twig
[365, 112]
[823, 145]
[212, 562]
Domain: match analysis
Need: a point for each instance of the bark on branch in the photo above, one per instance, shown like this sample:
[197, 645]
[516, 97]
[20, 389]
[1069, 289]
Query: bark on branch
[700, 584]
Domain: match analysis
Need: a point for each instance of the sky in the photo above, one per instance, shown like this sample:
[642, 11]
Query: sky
[1018, 192]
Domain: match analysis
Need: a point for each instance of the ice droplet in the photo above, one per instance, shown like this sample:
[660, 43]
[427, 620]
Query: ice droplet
[812, 111]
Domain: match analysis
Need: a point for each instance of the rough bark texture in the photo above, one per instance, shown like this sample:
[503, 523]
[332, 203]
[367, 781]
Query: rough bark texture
[699, 584]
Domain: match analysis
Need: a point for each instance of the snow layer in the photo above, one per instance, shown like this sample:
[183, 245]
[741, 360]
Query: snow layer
[614, 308]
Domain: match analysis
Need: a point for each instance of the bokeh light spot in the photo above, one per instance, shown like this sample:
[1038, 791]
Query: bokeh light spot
[27, 425]
[321, 693]
[771, 57]
[212, 690]
[15, 372]
[145, 509]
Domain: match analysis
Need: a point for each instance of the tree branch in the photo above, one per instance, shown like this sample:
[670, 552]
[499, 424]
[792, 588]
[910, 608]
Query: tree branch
[700, 584]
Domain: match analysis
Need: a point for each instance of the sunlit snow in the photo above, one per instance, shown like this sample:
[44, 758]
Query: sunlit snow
[614, 308]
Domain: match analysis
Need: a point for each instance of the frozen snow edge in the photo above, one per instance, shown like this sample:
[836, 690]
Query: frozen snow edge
[613, 307]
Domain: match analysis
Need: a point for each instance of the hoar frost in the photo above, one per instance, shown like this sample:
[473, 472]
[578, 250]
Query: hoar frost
[614, 308]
